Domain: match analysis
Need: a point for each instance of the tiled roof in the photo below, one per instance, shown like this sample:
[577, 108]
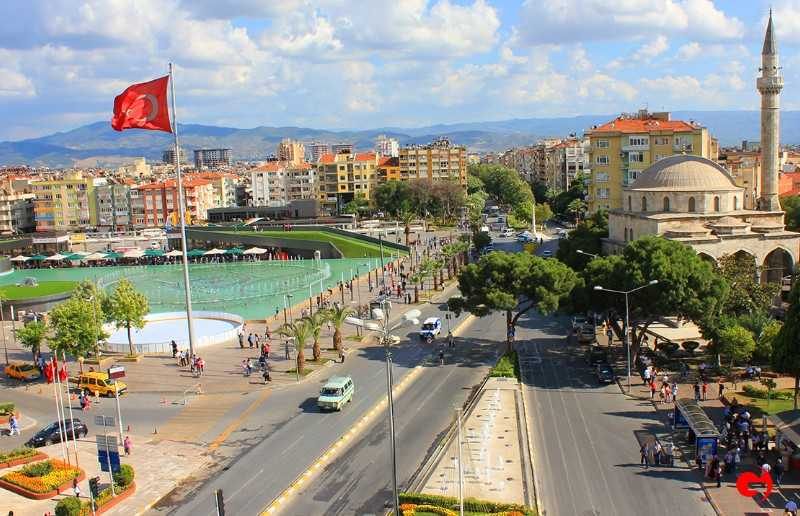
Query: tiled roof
[637, 125]
[327, 159]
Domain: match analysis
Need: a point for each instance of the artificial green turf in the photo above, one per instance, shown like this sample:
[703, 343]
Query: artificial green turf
[350, 247]
[44, 288]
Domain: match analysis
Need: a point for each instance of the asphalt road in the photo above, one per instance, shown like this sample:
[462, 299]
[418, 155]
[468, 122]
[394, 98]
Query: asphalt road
[358, 481]
[586, 437]
[287, 433]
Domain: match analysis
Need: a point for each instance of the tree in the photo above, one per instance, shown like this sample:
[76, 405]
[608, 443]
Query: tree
[357, 206]
[481, 239]
[95, 300]
[576, 190]
[75, 330]
[336, 316]
[765, 340]
[503, 183]
[585, 237]
[522, 212]
[315, 322]
[407, 217]
[737, 343]
[791, 206]
[393, 197]
[514, 283]
[474, 184]
[746, 295]
[576, 208]
[32, 336]
[786, 345]
[299, 331]
[687, 285]
[127, 308]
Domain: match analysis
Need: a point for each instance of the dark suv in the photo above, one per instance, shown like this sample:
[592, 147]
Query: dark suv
[50, 433]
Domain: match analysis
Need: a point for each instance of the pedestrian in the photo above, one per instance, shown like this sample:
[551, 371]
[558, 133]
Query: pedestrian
[450, 339]
[250, 341]
[266, 375]
[643, 455]
[610, 335]
[657, 449]
[13, 425]
[76, 488]
[791, 507]
[674, 390]
[441, 357]
[778, 471]
[286, 353]
[737, 458]
[652, 390]
[668, 451]
[126, 444]
[174, 348]
[662, 393]
[646, 373]
[705, 389]
[718, 471]
[696, 391]
[241, 340]
[257, 339]
[721, 388]
[341, 355]
[248, 367]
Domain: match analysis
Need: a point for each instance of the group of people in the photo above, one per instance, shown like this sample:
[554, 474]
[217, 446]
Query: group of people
[667, 391]
[196, 364]
[654, 453]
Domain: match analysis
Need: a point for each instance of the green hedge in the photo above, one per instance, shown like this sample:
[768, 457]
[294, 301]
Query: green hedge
[470, 504]
[755, 392]
[7, 409]
[70, 506]
[124, 477]
[17, 453]
[506, 367]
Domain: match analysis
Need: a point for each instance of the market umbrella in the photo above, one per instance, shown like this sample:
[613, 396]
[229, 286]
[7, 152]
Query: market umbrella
[20, 258]
[96, 257]
[255, 250]
[234, 250]
[214, 252]
[55, 258]
[37, 258]
[155, 252]
[75, 256]
[174, 253]
[115, 255]
[194, 253]
[134, 253]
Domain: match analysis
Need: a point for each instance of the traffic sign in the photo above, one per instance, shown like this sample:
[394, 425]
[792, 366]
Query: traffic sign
[106, 442]
[116, 372]
[104, 420]
[106, 457]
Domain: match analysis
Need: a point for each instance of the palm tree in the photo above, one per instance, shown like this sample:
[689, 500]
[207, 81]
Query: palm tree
[336, 317]
[299, 331]
[315, 322]
[407, 216]
[576, 208]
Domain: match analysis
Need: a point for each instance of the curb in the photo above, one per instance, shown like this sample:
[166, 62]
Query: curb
[533, 474]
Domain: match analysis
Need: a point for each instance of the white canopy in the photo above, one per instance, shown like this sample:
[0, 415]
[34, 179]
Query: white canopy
[82, 253]
[174, 252]
[255, 250]
[95, 257]
[133, 253]
[20, 258]
[215, 251]
[55, 258]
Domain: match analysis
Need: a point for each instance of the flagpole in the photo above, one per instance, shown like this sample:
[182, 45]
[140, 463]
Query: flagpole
[181, 213]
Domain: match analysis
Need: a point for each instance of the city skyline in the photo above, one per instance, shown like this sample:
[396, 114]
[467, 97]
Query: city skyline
[245, 64]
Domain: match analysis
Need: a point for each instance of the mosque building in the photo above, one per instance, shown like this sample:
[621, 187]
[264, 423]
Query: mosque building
[694, 200]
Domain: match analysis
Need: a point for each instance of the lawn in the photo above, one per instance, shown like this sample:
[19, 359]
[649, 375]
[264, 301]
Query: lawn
[44, 288]
[350, 247]
[775, 406]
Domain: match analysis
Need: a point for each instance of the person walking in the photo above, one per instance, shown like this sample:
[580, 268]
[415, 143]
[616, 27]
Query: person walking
[646, 374]
[341, 355]
[76, 488]
[652, 390]
[13, 425]
[241, 340]
[441, 357]
[450, 339]
[127, 444]
[718, 470]
[696, 391]
[657, 452]
[778, 471]
[643, 456]
[265, 374]
[250, 341]
[705, 389]
[174, 348]
[720, 388]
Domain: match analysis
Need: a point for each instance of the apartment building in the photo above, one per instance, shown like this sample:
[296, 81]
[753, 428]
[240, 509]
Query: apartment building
[136, 206]
[317, 150]
[570, 157]
[67, 203]
[16, 209]
[388, 169]
[160, 201]
[168, 156]
[278, 182]
[622, 148]
[386, 146]
[745, 168]
[113, 207]
[344, 176]
[291, 151]
[223, 184]
[209, 159]
[437, 161]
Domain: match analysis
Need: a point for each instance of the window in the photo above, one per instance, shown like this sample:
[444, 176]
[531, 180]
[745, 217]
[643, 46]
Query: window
[691, 204]
[644, 204]
[601, 160]
[639, 141]
[626, 234]
[601, 177]
[629, 204]
[602, 144]
[636, 157]
[716, 203]
[661, 140]
[602, 193]
[666, 203]
[735, 203]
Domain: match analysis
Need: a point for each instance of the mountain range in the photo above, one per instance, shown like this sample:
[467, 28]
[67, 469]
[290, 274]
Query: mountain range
[97, 144]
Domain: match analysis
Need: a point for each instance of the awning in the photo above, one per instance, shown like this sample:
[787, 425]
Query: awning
[114, 255]
[788, 423]
[255, 250]
[76, 256]
[154, 252]
[55, 258]
[194, 253]
[696, 417]
[94, 257]
[214, 252]
[235, 251]
[174, 253]
[37, 258]
[20, 258]
[134, 253]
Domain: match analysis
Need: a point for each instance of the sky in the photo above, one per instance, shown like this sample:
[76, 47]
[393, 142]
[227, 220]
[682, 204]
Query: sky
[360, 64]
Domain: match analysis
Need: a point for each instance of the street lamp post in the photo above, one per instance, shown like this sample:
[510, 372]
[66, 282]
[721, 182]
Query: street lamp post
[579, 251]
[627, 315]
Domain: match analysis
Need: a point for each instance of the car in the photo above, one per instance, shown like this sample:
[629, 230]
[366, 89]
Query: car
[547, 254]
[578, 321]
[604, 373]
[336, 392]
[23, 371]
[487, 249]
[596, 355]
[508, 232]
[99, 384]
[587, 333]
[51, 435]
[431, 327]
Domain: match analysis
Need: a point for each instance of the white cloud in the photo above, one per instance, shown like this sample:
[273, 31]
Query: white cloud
[303, 34]
[15, 84]
[362, 93]
[689, 51]
[580, 62]
[600, 87]
[786, 17]
[652, 49]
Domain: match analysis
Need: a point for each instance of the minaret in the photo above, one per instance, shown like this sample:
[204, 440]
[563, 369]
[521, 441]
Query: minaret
[769, 85]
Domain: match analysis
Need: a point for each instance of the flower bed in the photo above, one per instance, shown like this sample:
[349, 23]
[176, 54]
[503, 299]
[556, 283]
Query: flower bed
[19, 456]
[411, 503]
[41, 480]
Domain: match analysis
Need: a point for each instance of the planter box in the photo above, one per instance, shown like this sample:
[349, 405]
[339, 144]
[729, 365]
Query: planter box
[117, 499]
[23, 460]
[14, 488]
[103, 363]
[135, 358]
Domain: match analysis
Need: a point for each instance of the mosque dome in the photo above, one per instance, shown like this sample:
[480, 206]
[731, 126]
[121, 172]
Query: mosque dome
[684, 173]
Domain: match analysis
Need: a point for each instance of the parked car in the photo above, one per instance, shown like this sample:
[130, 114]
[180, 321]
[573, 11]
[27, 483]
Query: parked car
[547, 254]
[98, 383]
[431, 327]
[586, 334]
[51, 435]
[508, 232]
[578, 321]
[604, 373]
[336, 392]
[23, 371]
[596, 355]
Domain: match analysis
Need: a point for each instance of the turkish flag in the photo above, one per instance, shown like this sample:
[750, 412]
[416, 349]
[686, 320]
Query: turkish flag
[143, 106]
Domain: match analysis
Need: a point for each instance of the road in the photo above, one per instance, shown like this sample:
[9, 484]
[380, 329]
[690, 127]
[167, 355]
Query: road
[284, 435]
[359, 481]
[586, 436]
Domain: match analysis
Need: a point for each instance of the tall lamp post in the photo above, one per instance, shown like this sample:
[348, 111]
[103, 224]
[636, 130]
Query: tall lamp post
[592, 255]
[410, 317]
[627, 314]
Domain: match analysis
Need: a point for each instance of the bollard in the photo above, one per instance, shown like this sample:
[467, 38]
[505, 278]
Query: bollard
[129, 428]
[155, 430]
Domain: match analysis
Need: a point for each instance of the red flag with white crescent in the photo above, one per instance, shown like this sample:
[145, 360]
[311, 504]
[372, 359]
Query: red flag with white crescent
[143, 106]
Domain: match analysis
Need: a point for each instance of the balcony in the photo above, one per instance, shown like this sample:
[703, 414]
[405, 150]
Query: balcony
[683, 147]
